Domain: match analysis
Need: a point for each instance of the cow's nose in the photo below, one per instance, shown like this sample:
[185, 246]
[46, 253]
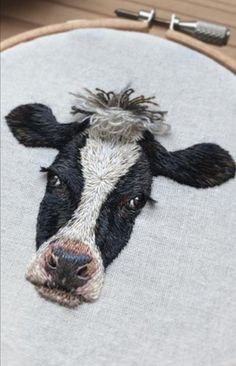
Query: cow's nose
[68, 270]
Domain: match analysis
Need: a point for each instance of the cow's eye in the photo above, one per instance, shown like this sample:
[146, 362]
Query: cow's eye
[54, 181]
[136, 203]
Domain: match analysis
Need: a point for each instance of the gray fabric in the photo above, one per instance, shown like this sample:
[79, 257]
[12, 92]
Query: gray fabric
[169, 299]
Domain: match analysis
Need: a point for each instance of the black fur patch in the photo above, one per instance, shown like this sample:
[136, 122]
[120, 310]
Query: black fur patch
[35, 125]
[115, 222]
[59, 203]
[201, 166]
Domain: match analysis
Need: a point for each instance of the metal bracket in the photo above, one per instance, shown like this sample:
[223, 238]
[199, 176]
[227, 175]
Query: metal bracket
[207, 32]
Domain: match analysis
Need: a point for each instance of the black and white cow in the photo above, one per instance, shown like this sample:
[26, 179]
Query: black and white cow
[99, 182]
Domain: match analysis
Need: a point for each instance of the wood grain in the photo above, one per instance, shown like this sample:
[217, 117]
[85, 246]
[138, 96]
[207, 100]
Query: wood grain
[23, 15]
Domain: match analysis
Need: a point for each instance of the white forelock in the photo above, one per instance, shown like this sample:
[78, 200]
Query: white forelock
[117, 115]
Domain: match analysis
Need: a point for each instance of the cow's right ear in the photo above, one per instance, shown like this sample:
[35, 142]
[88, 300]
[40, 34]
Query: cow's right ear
[35, 125]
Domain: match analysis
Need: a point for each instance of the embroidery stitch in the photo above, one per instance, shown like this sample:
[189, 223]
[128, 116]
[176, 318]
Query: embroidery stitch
[99, 182]
[116, 114]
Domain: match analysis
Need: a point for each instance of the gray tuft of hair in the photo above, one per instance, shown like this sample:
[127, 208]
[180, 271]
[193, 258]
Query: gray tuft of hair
[120, 115]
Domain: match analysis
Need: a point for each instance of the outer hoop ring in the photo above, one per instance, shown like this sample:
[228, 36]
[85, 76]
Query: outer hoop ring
[121, 24]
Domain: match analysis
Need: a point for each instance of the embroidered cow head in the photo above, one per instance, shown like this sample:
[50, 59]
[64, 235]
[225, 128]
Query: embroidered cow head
[99, 182]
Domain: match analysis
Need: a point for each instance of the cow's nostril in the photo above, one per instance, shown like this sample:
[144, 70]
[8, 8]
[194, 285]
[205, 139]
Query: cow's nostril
[82, 260]
[52, 262]
[82, 272]
[68, 269]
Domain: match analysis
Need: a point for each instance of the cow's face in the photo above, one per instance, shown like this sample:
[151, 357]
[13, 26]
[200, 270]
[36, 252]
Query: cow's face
[95, 189]
[98, 184]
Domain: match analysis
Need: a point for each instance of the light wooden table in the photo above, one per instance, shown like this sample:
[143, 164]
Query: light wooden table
[22, 15]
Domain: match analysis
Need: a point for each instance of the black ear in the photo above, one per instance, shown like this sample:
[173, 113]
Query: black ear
[201, 166]
[35, 125]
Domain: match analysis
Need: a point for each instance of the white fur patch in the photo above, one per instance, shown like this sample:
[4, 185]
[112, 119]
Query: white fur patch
[118, 122]
[103, 164]
[117, 114]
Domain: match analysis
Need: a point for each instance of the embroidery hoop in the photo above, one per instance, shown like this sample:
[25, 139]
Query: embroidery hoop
[131, 26]
[121, 24]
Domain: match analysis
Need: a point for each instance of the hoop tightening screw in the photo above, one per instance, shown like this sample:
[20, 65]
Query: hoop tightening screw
[205, 31]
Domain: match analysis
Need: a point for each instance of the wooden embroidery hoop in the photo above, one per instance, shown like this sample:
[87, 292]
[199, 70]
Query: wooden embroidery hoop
[121, 24]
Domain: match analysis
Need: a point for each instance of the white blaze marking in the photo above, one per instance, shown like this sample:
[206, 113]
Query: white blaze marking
[103, 164]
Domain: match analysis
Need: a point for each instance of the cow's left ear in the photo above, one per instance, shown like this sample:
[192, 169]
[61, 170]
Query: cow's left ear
[201, 166]
[35, 125]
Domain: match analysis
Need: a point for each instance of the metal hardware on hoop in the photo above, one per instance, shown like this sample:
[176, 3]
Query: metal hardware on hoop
[205, 31]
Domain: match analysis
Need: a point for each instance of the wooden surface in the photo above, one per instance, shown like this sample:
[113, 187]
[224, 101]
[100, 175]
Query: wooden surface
[22, 15]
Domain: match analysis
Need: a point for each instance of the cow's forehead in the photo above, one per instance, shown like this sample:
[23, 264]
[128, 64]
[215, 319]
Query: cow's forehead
[103, 163]
[107, 161]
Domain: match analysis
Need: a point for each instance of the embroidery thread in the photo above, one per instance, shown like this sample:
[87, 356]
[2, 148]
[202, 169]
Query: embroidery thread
[99, 182]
